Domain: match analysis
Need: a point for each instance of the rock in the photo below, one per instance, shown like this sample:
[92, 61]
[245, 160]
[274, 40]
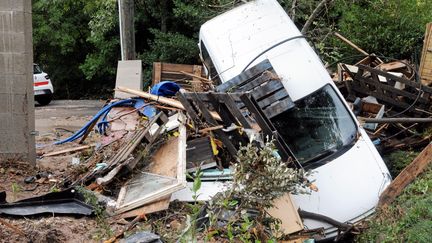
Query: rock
[30, 179]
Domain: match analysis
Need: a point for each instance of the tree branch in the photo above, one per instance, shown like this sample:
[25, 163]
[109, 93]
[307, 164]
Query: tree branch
[314, 14]
[293, 10]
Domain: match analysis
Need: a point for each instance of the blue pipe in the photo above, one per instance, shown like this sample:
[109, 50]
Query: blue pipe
[103, 112]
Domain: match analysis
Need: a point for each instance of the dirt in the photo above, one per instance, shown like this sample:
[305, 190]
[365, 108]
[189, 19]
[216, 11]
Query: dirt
[49, 173]
[50, 229]
[54, 123]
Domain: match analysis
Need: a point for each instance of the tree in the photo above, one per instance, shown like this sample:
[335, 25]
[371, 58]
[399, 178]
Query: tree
[390, 28]
[59, 29]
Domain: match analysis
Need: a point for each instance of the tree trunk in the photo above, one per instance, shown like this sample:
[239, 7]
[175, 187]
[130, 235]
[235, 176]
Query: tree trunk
[164, 16]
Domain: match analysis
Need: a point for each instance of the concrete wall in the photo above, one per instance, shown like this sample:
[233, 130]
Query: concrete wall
[16, 81]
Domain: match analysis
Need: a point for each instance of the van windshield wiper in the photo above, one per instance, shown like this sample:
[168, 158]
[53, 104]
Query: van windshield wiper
[321, 155]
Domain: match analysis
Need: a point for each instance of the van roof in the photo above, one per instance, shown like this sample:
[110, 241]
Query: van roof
[236, 37]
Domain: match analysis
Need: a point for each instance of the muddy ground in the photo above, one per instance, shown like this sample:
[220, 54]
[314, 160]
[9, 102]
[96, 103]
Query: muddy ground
[55, 121]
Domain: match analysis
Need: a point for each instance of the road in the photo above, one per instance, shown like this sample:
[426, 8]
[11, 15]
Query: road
[66, 114]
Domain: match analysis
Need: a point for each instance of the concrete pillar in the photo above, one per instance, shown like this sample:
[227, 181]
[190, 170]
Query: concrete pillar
[16, 81]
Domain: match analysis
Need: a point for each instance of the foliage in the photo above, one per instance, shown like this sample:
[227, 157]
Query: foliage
[398, 160]
[104, 230]
[169, 47]
[77, 41]
[390, 28]
[101, 61]
[15, 188]
[190, 232]
[260, 176]
[408, 219]
[59, 37]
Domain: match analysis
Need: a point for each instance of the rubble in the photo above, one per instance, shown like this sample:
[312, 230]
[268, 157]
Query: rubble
[182, 142]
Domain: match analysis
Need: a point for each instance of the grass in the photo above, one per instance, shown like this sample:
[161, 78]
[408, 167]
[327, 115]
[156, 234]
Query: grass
[398, 160]
[408, 219]
[103, 231]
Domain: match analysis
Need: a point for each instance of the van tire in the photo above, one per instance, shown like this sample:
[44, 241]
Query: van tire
[44, 99]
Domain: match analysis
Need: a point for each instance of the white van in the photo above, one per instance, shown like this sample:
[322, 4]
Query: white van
[321, 130]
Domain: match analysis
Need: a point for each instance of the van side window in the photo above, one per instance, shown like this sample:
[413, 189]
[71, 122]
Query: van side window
[209, 64]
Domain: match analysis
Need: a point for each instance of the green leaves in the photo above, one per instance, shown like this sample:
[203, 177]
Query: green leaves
[260, 177]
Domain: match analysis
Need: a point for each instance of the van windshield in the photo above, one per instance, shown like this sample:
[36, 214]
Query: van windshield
[318, 126]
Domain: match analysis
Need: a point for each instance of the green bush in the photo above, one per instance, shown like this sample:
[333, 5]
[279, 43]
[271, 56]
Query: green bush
[408, 218]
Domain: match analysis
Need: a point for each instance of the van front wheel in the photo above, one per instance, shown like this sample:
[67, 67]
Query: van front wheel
[44, 99]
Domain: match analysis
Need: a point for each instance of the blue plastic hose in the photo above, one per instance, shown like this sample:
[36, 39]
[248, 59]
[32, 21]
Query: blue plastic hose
[103, 125]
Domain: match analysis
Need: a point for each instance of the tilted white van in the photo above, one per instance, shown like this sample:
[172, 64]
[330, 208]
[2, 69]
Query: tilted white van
[320, 129]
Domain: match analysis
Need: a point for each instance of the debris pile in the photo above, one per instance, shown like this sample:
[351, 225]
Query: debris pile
[389, 99]
[193, 141]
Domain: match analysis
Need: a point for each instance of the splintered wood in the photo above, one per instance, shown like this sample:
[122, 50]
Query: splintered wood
[408, 175]
[425, 68]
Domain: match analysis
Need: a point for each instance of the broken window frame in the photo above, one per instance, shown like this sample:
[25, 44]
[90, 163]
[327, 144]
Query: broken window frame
[180, 183]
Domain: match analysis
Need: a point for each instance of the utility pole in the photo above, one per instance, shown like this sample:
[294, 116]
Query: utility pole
[127, 29]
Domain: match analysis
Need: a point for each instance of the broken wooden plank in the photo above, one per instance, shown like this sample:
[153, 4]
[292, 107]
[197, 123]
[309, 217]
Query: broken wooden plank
[122, 160]
[284, 209]
[160, 99]
[69, 150]
[146, 209]
[407, 175]
[425, 68]
[199, 154]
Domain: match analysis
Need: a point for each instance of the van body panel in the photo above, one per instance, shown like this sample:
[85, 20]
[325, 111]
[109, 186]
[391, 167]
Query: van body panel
[237, 36]
[349, 184]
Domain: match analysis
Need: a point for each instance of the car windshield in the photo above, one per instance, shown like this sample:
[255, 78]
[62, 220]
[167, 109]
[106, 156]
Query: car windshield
[36, 69]
[318, 126]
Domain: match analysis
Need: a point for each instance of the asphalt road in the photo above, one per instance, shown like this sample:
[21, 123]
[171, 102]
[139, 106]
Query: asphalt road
[67, 114]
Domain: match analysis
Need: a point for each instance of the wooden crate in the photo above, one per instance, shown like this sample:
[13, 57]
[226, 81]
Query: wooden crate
[176, 73]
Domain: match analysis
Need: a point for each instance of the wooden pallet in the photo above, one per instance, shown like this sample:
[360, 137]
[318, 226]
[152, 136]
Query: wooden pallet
[265, 87]
[366, 81]
[200, 107]
[178, 73]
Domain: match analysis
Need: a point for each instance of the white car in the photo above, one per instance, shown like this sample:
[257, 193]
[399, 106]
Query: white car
[43, 88]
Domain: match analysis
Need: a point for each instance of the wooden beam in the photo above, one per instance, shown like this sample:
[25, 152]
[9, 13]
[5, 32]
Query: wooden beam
[351, 44]
[409, 174]
[69, 150]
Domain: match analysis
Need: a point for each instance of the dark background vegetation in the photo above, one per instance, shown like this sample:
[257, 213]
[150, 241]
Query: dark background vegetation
[77, 41]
